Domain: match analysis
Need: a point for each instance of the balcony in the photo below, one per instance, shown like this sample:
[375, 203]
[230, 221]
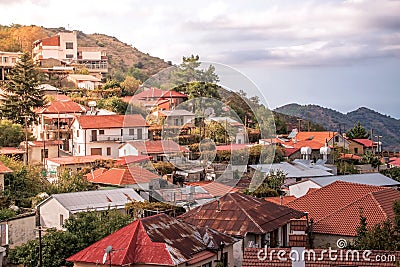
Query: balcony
[105, 138]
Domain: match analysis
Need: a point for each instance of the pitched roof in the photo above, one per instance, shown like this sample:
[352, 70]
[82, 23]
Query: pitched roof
[294, 170]
[95, 200]
[339, 215]
[238, 214]
[62, 107]
[395, 162]
[376, 179]
[158, 93]
[217, 189]
[123, 176]
[70, 160]
[350, 156]
[233, 147]
[157, 146]
[320, 137]
[364, 142]
[175, 112]
[111, 121]
[4, 168]
[156, 240]
[282, 200]
[44, 143]
[132, 159]
[11, 151]
[51, 41]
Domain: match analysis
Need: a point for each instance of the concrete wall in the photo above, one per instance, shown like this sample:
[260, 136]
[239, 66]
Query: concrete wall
[302, 188]
[21, 230]
[63, 51]
[50, 214]
[325, 241]
[35, 153]
[128, 150]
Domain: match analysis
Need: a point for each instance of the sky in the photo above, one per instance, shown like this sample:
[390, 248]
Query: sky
[337, 54]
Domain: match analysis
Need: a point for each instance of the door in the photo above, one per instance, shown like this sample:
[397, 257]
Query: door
[94, 135]
[95, 151]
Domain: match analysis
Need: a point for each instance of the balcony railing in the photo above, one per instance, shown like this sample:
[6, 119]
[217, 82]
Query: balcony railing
[105, 138]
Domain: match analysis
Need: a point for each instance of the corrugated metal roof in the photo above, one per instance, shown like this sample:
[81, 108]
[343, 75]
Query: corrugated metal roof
[293, 170]
[95, 200]
[365, 178]
[238, 214]
[158, 240]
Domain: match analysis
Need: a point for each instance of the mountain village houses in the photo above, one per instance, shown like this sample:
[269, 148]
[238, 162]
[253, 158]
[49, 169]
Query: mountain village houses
[222, 226]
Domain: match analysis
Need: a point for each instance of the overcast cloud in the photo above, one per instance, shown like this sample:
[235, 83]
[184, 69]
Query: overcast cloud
[292, 49]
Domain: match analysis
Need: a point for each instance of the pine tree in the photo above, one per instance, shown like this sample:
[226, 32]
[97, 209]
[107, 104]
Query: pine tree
[357, 132]
[21, 93]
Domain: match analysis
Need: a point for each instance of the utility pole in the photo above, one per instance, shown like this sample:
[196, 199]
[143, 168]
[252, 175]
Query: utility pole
[299, 120]
[26, 139]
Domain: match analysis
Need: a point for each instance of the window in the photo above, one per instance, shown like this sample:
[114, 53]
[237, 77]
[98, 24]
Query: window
[101, 131]
[77, 133]
[69, 45]
[5, 59]
[139, 134]
[79, 149]
[208, 264]
[122, 132]
[356, 150]
[336, 139]
[131, 131]
[108, 151]
[61, 219]
[69, 56]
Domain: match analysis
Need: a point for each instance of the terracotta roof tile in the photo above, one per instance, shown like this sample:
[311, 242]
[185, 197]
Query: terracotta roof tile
[280, 200]
[340, 215]
[62, 107]
[320, 137]
[365, 142]
[158, 93]
[51, 41]
[68, 160]
[111, 121]
[4, 168]
[123, 176]
[157, 146]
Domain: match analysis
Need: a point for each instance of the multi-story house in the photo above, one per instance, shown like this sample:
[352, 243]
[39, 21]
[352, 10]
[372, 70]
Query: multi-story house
[7, 61]
[103, 134]
[64, 47]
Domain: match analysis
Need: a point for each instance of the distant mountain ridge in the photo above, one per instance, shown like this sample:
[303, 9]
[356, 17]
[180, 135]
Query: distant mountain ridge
[383, 125]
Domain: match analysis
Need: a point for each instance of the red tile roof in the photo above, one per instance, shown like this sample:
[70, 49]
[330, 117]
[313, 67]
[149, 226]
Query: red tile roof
[61, 107]
[233, 147]
[320, 137]
[69, 160]
[51, 41]
[238, 214]
[44, 143]
[350, 156]
[132, 159]
[155, 240]
[365, 142]
[217, 189]
[11, 151]
[395, 162]
[340, 215]
[4, 168]
[157, 146]
[158, 93]
[111, 121]
[290, 151]
[280, 200]
[123, 176]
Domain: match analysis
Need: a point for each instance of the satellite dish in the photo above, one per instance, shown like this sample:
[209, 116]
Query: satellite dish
[108, 251]
[105, 257]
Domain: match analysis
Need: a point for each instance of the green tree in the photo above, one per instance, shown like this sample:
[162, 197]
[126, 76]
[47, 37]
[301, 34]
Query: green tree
[357, 132]
[138, 74]
[271, 184]
[68, 182]
[11, 134]
[130, 85]
[21, 93]
[114, 104]
[82, 230]
[393, 173]
[196, 82]
[370, 158]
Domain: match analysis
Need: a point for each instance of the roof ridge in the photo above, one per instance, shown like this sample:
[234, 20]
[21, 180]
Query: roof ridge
[245, 212]
[139, 224]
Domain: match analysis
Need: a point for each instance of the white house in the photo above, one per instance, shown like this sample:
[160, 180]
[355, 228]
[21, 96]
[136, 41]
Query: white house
[54, 210]
[176, 117]
[104, 134]
[84, 81]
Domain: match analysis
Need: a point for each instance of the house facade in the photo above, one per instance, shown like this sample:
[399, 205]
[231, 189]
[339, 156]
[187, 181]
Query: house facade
[18, 230]
[57, 208]
[160, 240]
[104, 134]
[255, 222]
[64, 47]
[7, 62]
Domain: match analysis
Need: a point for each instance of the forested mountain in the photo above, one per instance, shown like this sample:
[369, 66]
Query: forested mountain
[386, 126]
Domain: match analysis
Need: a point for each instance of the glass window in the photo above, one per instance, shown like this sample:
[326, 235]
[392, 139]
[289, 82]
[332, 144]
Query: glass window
[69, 45]
[69, 56]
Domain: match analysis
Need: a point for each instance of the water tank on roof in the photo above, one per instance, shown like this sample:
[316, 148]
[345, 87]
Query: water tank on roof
[306, 150]
[325, 150]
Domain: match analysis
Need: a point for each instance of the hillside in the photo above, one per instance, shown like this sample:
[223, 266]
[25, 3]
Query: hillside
[386, 126]
[121, 56]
